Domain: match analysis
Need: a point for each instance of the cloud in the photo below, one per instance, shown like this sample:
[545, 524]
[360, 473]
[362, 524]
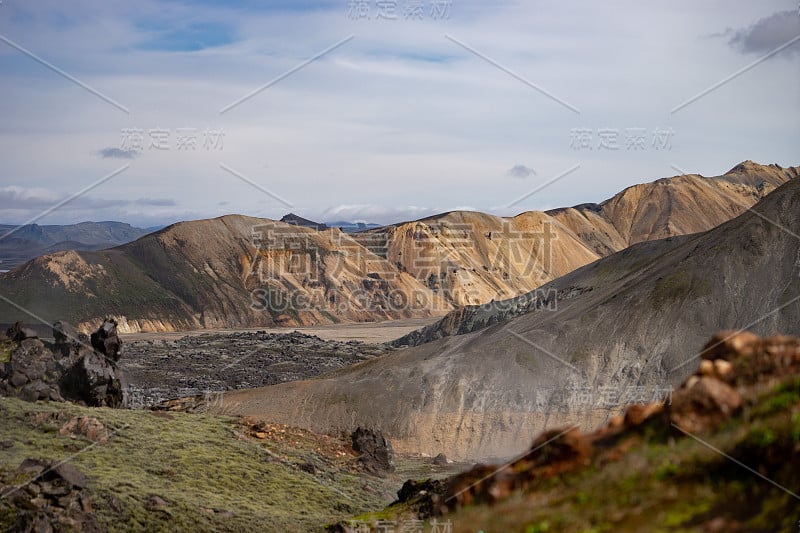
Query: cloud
[521, 171]
[380, 214]
[17, 197]
[156, 202]
[767, 34]
[117, 153]
[185, 37]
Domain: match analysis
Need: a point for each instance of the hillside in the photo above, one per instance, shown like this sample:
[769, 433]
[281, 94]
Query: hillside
[623, 326]
[159, 471]
[203, 274]
[721, 454]
[236, 271]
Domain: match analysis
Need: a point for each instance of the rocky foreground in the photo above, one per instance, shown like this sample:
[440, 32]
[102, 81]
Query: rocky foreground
[723, 454]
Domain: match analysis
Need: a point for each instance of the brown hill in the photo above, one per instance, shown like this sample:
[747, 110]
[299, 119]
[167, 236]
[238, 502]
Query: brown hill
[473, 258]
[237, 271]
[621, 330]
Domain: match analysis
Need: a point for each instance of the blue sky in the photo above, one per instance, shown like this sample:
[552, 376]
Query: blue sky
[407, 108]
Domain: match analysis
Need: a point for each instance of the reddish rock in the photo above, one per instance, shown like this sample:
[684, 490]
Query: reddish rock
[730, 344]
[704, 406]
[85, 426]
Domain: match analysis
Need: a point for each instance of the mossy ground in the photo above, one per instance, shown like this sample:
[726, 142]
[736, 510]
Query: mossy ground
[670, 482]
[212, 473]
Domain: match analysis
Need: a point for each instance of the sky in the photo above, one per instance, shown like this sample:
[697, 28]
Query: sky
[151, 112]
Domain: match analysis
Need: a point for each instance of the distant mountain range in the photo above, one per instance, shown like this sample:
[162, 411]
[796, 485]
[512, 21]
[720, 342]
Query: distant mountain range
[26, 242]
[236, 271]
[485, 380]
[345, 226]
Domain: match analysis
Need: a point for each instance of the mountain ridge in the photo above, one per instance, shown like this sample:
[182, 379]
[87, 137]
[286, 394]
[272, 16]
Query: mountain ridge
[227, 273]
[633, 318]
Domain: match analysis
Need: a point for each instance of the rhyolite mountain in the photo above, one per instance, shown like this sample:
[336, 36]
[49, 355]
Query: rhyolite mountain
[20, 244]
[236, 271]
[622, 329]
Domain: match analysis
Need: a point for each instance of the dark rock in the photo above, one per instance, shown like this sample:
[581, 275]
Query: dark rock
[377, 454]
[31, 373]
[54, 499]
[308, 468]
[76, 373]
[155, 502]
[64, 332]
[93, 380]
[106, 341]
[440, 460]
[19, 333]
[423, 497]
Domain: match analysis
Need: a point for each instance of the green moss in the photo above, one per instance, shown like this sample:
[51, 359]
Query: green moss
[666, 470]
[681, 515]
[194, 462]
[6, 347]
[539, 527]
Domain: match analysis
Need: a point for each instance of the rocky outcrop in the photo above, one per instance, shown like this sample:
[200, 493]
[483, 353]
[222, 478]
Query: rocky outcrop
[55, 497]
[703, 403]
[32, 373]
[70, 369]
[106, 341]
[376, 453]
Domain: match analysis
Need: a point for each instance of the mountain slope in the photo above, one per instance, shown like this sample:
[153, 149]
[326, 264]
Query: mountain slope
[232, 271]
[623, 326]
[18, 245]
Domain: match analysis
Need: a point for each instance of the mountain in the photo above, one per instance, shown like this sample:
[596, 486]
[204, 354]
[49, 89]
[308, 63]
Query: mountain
[473, 258]
[237, 271]
[295, 220]
[20, 244]
[231, 271]
[620, 328]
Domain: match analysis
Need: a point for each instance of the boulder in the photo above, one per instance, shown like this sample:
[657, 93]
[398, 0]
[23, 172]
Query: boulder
[76, 371]
[92, 378]
[422, 497]
[55, 498]
[31, 373]
[376, 452]
[106, 341]
[440, 460]
[703, 406]
[19, 333]
[85, 426]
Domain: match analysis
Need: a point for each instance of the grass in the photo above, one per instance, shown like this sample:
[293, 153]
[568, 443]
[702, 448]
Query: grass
[197, 463]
